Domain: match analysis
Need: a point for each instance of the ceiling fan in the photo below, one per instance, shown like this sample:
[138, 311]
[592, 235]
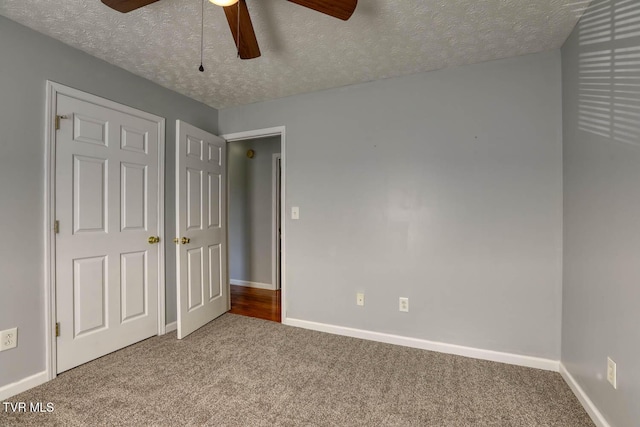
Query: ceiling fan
[240, 21]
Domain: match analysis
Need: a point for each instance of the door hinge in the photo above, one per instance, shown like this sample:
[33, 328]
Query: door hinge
[57, 329]
[56, 226]
[58, 118]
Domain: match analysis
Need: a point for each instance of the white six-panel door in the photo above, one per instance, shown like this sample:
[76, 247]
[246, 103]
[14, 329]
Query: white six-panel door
[107, 209]
[203, 288]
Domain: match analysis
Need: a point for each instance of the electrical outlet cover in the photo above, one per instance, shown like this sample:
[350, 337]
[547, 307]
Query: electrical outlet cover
[8, 339]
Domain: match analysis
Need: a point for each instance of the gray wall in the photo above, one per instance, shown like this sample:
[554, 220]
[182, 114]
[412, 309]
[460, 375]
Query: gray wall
[444, 187]
[601, 291]
[250, 209]
[28, 60]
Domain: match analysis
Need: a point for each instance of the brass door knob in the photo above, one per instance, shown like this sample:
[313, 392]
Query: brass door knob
[154, 239]
[186, 240]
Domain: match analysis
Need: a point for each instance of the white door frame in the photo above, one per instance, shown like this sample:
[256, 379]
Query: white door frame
[275, 253]
[53, 89]
[257, 134]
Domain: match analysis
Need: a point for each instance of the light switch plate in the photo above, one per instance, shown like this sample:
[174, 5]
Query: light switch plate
[295, 212]
[360, 298]
[612, 372]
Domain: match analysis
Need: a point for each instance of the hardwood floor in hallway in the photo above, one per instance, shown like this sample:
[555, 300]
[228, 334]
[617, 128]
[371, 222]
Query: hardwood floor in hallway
[253, 302]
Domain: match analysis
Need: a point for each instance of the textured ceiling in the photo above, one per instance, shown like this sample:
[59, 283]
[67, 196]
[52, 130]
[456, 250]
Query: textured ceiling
[302, 50]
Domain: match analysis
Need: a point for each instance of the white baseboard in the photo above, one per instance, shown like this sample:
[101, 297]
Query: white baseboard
[24, 384]
[476, 353]
[592, 410]
[253, 284]
[171, 327]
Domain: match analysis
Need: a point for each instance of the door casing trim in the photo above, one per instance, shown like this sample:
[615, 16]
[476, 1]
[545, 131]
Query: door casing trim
[263, 133]
[52, 91]
[275, 191]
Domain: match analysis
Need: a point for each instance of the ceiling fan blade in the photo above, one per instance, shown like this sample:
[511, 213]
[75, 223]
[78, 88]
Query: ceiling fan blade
[341, 9]
[248, 47]
[125, 6]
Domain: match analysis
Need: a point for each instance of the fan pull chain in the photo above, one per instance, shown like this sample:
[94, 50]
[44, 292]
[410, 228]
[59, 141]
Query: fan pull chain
[201, 68]
[238, 42]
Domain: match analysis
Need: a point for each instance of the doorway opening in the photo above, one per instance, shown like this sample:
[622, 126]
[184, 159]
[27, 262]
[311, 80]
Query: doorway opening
[256, 232]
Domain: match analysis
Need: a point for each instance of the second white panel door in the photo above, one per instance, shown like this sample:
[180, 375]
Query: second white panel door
[203, 288]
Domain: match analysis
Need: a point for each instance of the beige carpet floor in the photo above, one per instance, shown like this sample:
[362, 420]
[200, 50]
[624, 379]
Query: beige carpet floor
[240, 371]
